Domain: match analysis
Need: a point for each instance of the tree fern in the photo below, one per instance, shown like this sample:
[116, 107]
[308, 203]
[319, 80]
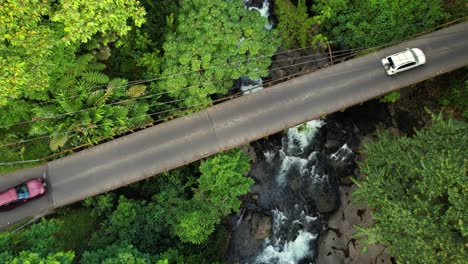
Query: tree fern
[118, 86]
[70, 105]
[39, 129]
[96, 66]
[136, 90]
[66, 82]
[85, 85]
[57, 141]
[119, 111]
[80, 65]
[46, 111]
[95, 77]
[94, 97]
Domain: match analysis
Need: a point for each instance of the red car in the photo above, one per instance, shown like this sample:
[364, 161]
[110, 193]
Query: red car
[22, 193]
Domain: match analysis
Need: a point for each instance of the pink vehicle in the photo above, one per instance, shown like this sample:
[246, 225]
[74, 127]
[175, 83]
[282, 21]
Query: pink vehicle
[22, 193]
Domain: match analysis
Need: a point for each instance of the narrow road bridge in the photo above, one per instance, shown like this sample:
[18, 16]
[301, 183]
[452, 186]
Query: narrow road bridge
[181, 141]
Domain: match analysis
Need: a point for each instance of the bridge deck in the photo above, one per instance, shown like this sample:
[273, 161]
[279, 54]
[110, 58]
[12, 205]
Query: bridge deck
[233, 123]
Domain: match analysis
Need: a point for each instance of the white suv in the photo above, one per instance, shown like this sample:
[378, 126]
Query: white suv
[403, 61]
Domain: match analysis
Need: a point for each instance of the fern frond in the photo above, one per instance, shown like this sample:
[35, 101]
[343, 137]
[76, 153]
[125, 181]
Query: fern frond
[116, 83]
[70, 106]
[96, 66]
[67, 81]
[57, 141]
[136, 90]
[95, 77]
[97, 115]
[38, 129]
[80, 65]
[92, 44]
[119, 111]
[84, 85]
[46, 111]
[106, 96]
[118, 86]
[94, 97]
[104, 53]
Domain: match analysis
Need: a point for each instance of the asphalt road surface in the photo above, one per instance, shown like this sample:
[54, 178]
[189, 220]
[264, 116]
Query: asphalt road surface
[233, 123]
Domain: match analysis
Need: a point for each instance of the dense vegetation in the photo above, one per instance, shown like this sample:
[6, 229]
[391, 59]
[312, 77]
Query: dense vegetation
[419, 196]
[68, 80]
[166, 218]
[66, 66]
[368, 23]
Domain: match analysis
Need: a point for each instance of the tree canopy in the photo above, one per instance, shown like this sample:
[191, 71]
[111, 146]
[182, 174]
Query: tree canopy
[418, 190]
[213, 44]
[39, 38]
[368, 23]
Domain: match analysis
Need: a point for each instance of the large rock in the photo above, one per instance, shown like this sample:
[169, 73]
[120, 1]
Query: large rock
[321, 187]
[336, 245]
[248, 237]
[261, 226]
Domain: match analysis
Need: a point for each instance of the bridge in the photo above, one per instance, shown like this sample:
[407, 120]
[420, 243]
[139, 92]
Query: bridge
[181, 141]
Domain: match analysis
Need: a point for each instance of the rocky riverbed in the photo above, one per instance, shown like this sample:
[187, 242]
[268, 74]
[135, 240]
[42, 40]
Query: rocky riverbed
[300, 208]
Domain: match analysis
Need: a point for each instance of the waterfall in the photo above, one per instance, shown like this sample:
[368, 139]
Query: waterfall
[264, 12]
[294, 230]
[251, 86]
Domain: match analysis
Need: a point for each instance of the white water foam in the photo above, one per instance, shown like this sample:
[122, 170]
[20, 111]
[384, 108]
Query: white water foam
[269, 155]
[248, 89]
[277, 248]
[311, 218]
[303, 134]
[342, 153]
[291, 253]
[287, 163]
[264, 12]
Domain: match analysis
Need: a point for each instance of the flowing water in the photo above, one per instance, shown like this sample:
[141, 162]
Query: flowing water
[251, 86]
[295, 174]
[295, 226]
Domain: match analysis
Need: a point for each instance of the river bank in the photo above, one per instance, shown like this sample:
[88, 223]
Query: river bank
[300, 210]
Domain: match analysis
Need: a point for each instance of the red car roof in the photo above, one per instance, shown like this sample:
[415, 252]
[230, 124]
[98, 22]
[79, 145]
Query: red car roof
[8, 196]
[35, 187]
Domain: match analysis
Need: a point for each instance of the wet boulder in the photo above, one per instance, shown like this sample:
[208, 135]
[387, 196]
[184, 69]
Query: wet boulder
[320, 185]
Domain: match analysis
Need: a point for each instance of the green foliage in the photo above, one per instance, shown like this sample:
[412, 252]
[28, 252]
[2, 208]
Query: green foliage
[39, 39]
[457, 97]
[34, 258]
[119, 253]
[195, 223]
[82, 19]
[81, 114]
[35, 244]
[23, 151]
[100, 205]
[141, 224]
[220, 184]
[39, 238]
[77, 227]
[295, 26]
[391, 97]
[214, 43]
[142, 46]
[418, 190]
[368, 23]
[222, 181]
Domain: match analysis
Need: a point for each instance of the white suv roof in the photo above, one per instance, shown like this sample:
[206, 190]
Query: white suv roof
[402, 61]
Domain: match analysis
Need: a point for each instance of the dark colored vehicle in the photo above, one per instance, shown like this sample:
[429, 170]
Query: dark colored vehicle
[22, 193]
